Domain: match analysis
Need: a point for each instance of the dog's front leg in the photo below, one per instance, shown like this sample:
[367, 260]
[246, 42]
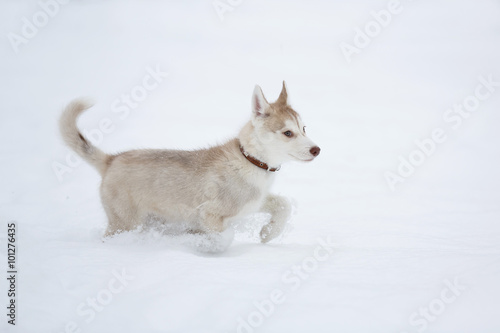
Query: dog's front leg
[280, 210]
[215, 236]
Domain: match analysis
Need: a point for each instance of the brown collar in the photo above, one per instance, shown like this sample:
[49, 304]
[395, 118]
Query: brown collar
[256, 162]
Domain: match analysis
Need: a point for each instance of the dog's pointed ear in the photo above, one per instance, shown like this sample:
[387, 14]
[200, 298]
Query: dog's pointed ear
[283, 99]
[259, 103]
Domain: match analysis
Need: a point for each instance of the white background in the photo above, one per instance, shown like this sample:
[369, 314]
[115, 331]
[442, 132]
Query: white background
[392, 250]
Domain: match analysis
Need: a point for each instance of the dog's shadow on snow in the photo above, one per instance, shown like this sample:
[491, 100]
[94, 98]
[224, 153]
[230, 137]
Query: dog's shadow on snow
[199, 245]
[235, 242]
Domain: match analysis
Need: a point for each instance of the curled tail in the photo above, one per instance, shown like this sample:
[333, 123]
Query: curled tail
[74, 139]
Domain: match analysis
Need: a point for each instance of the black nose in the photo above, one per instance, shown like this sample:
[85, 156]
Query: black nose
[315, 151]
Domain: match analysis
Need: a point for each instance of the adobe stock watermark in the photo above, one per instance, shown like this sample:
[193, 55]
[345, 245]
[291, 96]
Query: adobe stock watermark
[454, 117]
[122, 107]
[31, 26]
[364, 36]
[292, 279]
[88, 309]
[222, 7]
[421, 318]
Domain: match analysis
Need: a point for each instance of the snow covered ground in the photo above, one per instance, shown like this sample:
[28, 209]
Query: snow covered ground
[396, 225]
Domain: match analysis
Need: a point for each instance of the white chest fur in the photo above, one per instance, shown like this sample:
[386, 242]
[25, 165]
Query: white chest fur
[260, 179]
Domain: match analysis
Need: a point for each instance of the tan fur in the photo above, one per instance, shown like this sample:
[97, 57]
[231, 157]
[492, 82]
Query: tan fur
[203, 189]
[75, 140]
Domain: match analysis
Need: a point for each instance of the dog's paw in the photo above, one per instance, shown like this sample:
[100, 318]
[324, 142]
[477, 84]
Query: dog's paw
[265, 234]
[270, 231]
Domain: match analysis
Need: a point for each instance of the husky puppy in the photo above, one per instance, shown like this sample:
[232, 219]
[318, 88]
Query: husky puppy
[204, 189]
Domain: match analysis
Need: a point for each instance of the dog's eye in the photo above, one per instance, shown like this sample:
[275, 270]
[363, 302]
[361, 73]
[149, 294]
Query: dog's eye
[288, 134]
[304, 129]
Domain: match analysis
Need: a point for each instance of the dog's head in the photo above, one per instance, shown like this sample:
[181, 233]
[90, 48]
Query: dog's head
[280, 128]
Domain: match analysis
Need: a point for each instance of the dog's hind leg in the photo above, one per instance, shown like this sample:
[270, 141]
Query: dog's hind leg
[280, 210]
[120, 219]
